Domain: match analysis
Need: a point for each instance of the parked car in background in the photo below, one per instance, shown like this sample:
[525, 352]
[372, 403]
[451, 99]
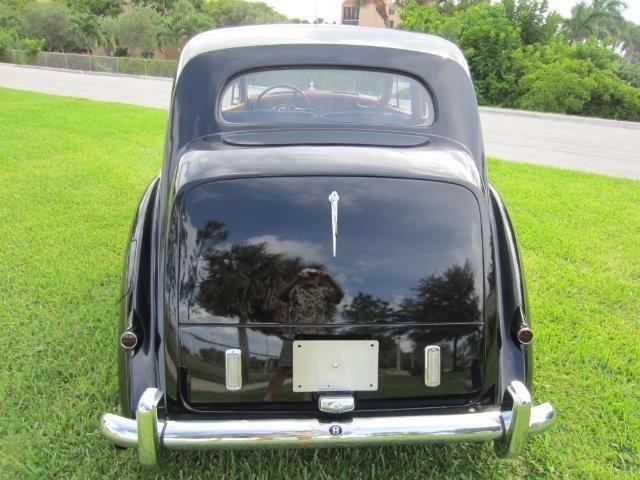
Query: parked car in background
[322, 260]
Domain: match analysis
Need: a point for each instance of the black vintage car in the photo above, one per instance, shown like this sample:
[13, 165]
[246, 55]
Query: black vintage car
[322, 260]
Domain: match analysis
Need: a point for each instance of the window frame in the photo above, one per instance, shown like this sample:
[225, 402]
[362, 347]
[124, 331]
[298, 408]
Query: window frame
[430, 103]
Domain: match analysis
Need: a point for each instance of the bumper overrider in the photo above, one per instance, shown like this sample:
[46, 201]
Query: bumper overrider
[508, 429]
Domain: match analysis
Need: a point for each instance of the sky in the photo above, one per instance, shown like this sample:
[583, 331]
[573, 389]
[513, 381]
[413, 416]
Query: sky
[330, 9]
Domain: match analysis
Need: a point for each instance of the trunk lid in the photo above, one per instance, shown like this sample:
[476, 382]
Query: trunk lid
[257, 271]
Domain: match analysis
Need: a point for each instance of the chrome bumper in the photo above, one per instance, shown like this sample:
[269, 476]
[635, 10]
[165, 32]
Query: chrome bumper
[508, 429]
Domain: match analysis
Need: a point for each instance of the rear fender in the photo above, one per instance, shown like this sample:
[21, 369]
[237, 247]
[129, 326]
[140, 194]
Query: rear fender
[515, 360]
[137, 368]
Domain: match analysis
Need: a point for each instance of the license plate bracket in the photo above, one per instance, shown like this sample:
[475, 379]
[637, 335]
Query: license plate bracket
[335, 365]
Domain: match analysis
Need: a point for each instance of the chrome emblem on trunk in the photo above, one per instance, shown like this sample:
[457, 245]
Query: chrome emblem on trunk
[333, 199]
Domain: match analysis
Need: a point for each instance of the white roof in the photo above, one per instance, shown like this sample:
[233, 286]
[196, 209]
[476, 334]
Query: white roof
[294, 34]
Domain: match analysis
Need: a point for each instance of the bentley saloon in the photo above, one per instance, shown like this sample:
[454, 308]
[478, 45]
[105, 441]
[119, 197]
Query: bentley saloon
[322, 260]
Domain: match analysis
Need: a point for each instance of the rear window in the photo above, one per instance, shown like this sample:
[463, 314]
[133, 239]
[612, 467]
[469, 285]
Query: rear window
[323, 95]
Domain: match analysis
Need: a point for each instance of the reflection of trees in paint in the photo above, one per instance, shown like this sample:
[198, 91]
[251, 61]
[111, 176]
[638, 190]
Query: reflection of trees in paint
[246, 281]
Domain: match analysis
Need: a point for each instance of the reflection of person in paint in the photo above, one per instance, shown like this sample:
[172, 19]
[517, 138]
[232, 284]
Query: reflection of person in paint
[312, 298]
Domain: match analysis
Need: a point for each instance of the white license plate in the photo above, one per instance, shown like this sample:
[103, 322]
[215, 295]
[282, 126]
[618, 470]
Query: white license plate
[335, 365]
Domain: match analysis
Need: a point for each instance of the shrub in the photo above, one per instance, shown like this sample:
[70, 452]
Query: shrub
[628, 72]
[230, 13]
[560, 87]
[6, 42]
[33, 45]
[613, 98]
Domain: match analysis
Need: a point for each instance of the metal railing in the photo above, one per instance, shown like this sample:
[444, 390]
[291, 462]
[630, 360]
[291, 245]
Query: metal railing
[94, 63]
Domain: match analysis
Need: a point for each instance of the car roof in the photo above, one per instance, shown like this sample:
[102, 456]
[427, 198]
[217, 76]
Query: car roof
[294, 34]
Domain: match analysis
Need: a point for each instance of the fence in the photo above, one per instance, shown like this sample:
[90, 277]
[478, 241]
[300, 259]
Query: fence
[94, 63]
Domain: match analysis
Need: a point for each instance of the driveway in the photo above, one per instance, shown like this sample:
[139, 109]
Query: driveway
[591, 145]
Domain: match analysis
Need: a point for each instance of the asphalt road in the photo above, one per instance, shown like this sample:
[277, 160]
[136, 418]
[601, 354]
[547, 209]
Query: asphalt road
[593, 145]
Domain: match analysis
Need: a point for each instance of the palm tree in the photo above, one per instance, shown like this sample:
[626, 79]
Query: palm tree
[244, 280]
[614, 21]
[629, 41]
[584, 22]
[600, 19]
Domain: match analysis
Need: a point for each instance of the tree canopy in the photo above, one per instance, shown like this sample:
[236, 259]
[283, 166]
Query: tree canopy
[135, 27]
[522, 55]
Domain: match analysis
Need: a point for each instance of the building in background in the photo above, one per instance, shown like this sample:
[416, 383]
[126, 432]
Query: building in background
[367, 15]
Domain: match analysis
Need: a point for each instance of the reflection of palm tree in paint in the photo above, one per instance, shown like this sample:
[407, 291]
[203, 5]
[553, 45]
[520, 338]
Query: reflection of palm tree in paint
[244, 281]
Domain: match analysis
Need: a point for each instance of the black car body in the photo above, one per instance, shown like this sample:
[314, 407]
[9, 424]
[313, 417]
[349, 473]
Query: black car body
[322, 260]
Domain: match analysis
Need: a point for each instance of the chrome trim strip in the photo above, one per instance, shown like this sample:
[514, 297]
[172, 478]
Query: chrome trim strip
[334, 198]
[432, 365]
[147, 423]
[486, 425]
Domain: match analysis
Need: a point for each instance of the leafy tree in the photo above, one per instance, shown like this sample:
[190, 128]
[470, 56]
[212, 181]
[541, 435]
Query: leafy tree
[135, 30]
[364, 308]
[160, 6]
[96, 7]
[537, 24]
[426, 19]
[485, 35]
[450, 7]
[17, 4]
[10, 18]
[183, 22]
[230, 13]
[49, 21]
[7, 40]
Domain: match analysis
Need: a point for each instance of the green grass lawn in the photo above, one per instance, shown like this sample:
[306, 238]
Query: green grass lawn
[71, 173]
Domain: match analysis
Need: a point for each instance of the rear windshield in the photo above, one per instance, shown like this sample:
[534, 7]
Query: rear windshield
[323, 95]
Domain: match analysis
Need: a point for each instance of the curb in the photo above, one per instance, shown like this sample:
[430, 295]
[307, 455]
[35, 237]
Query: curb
[558, 117]
[90, 72]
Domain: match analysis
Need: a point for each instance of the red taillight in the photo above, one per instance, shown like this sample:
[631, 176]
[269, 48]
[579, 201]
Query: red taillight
[525, 335]
[128, 340]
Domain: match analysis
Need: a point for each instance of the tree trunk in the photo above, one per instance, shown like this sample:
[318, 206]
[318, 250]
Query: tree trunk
[243, 343]
[381, 8]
